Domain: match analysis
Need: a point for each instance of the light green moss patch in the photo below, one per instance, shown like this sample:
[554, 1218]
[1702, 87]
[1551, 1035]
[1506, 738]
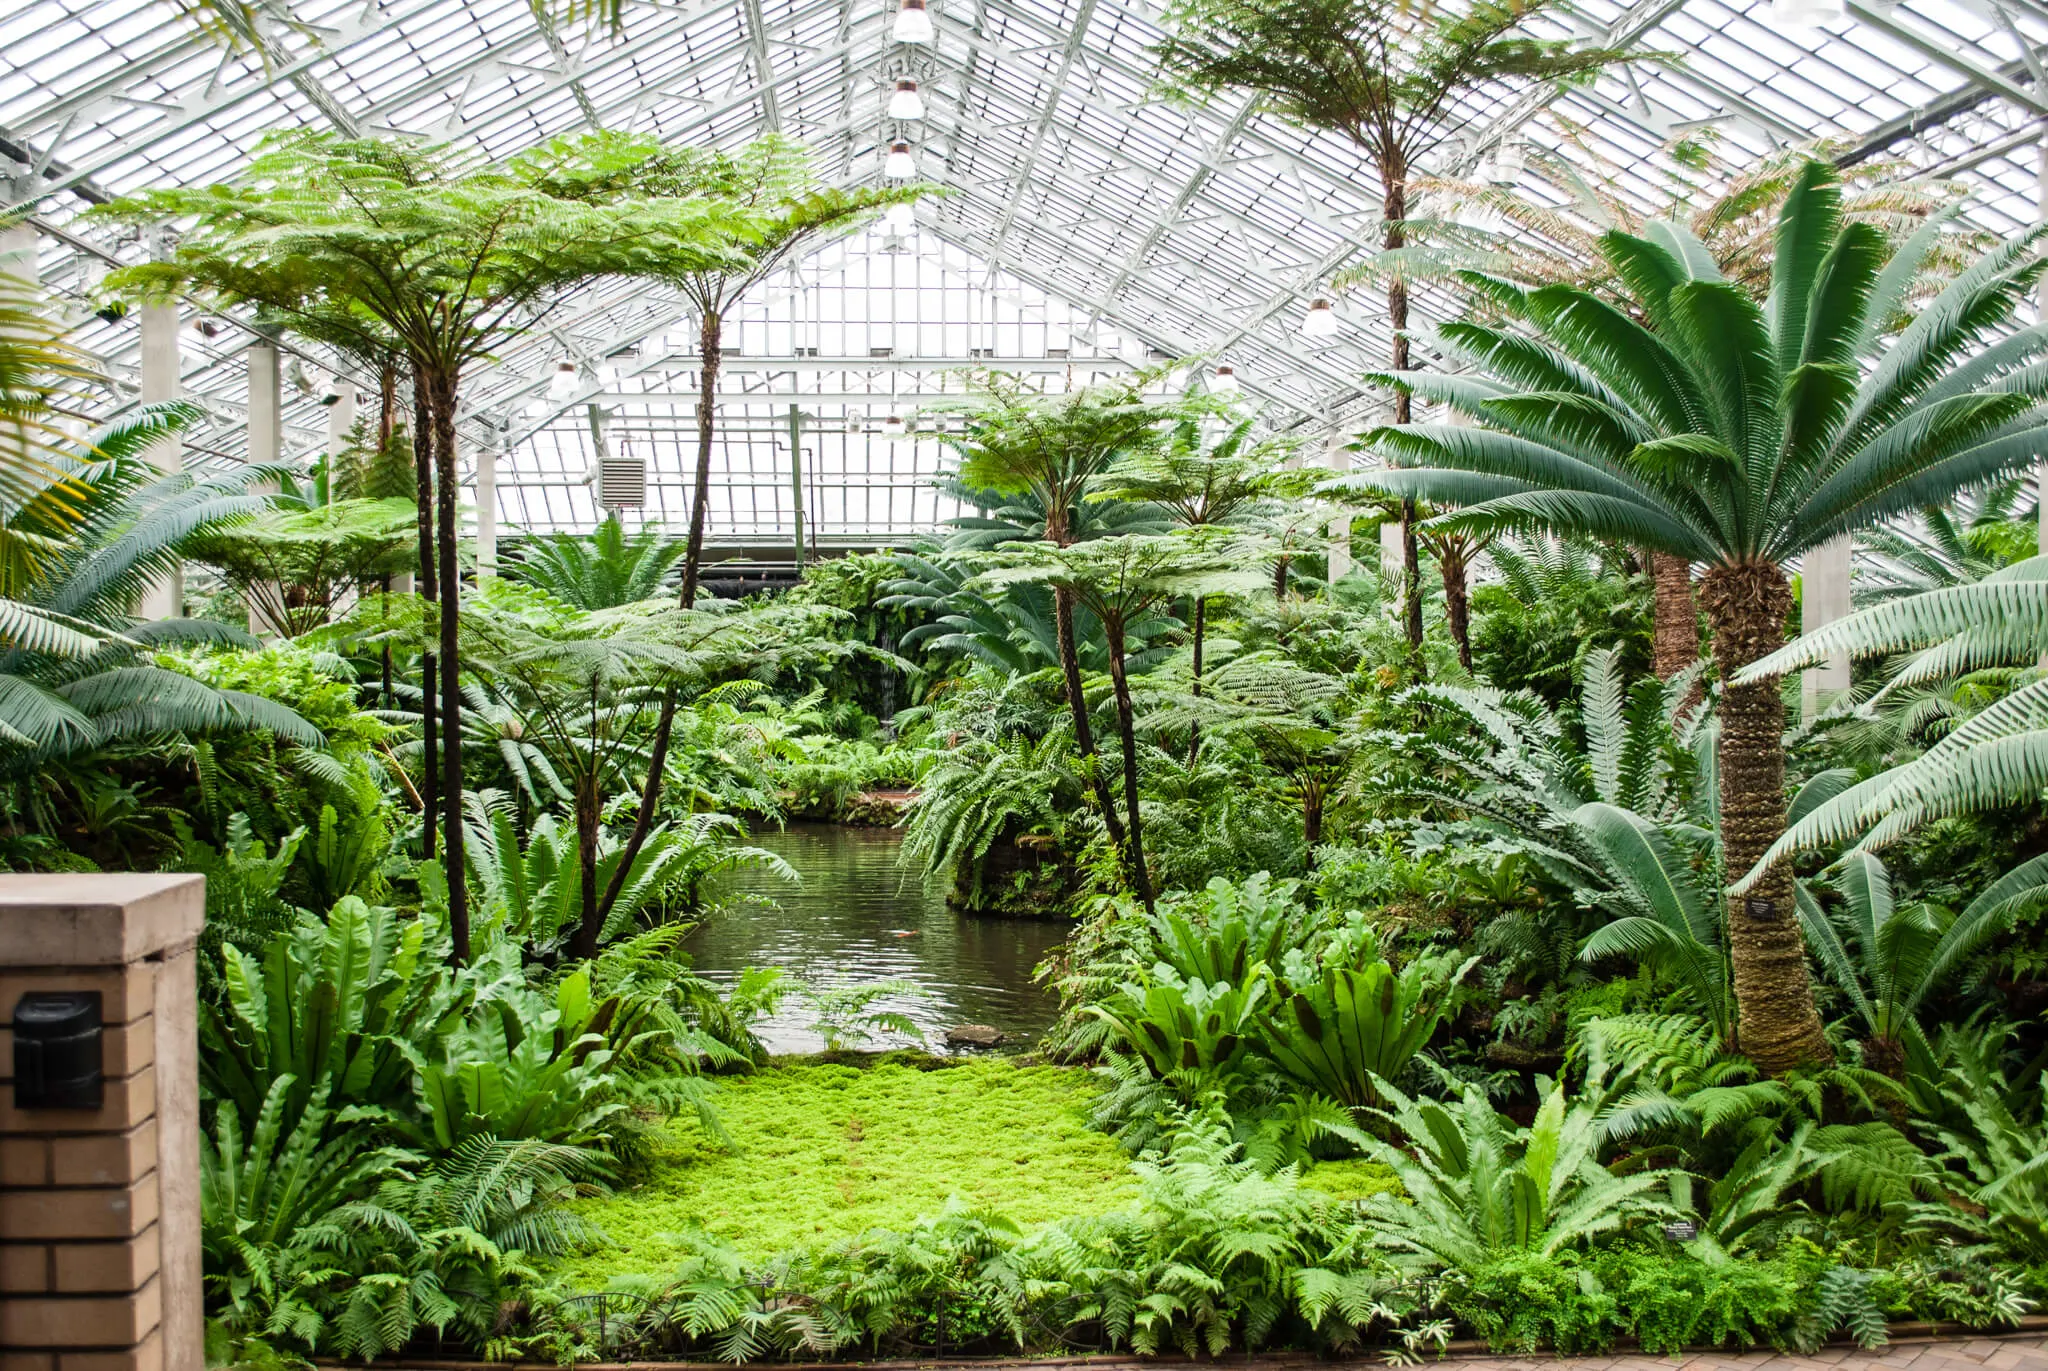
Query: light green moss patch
[1352, 1179]
[825, 1152]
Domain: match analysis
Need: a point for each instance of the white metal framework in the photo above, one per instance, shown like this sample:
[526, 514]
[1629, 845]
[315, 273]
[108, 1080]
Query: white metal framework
[1088, 224]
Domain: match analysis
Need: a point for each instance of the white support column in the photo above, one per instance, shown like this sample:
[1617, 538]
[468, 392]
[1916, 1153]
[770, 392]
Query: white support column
[341, 421]
[163, 598]
[266, 438]
[18, 252]
[1824, 598]
[487, 508]
[1337, 457]
[1393, 559]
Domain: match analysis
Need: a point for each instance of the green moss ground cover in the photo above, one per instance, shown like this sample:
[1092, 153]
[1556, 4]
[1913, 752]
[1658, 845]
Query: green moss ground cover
[825, 1150]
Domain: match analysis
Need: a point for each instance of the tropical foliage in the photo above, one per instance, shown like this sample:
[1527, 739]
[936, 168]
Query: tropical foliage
[1492, 961]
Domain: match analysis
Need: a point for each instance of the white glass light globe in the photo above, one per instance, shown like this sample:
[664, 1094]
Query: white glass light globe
[906, 103]
[899, 165]
[913, 23]
[563, 383]
[1224, 382]
[1807, 14]
[900, 219]
[1320, 321]
[1510, 160]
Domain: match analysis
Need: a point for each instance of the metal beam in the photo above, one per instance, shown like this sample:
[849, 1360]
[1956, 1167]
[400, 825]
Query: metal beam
[764, 71]
[1933, 115]
[1990, 80]
[219, 101]
[1056, 90]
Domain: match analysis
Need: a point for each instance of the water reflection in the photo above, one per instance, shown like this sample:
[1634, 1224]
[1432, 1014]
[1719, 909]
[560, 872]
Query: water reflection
[858, 918]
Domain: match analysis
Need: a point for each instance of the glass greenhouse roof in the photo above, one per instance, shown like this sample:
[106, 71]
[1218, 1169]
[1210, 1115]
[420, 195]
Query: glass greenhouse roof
[1088, 225]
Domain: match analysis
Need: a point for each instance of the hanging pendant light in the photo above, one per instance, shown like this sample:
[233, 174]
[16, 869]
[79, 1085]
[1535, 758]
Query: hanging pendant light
[1510, 160]
[1224, 382]
[906, 103]
[899, 165]
[562, 384]
[913, 23]
[900, 219]
[1807, 14]
[1320, 321]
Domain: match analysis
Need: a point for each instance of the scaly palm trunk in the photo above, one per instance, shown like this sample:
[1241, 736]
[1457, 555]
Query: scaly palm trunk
[423, 473]
[1077, 703]
[1777, 1026]
[1127, 733]
[710, 338]
[1677, 642]
[443, 394]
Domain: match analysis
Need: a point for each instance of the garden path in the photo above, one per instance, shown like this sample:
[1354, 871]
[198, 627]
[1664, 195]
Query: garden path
[2022, 1351]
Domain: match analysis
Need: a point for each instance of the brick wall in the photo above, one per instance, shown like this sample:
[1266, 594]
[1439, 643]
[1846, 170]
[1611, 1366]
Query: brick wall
[99, 1209]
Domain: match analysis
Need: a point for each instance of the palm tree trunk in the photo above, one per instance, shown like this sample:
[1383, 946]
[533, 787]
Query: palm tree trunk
[1280, 576]
[1127, 733]
[423, 473]
[709, 341]
[1200, 618]
[443, 394]
[1077, 702]
[1777, 1026]
[1677, 642]
[1312, 817]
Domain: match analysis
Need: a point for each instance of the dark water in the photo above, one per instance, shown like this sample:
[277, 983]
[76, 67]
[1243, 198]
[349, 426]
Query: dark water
[858, 918]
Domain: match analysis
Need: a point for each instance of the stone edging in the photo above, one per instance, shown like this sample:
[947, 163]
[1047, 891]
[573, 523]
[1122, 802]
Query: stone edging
[1465, 1349]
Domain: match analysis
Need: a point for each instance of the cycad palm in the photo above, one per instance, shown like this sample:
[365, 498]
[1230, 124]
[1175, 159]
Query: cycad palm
[1699, 424]
[604, 570]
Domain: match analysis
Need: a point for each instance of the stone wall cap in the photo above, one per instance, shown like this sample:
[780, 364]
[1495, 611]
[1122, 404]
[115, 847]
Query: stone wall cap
[97, 918]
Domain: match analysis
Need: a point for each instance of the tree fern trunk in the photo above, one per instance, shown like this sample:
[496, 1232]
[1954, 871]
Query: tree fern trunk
[443, 394]
[650, 801]
[590, 922]
[709, 340]
[423, 473]
[1394, 208]
[1127, 734]
[1077, 703]
[1457, 600]
[1778, 1027]
[1200, 617]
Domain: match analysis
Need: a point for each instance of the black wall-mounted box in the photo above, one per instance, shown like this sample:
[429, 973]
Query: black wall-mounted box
[58, 1056]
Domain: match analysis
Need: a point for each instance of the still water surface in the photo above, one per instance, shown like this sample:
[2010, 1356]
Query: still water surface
[858, 917]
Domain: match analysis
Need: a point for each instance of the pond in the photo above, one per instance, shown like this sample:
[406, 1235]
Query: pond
[858, 917]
